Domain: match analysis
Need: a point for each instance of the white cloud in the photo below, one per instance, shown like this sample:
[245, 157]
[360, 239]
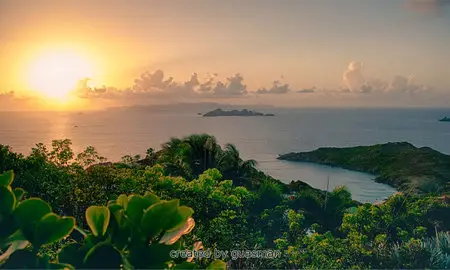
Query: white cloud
[355, 81]
[233, 86]
[353, 76]
[148, 81]
[277, 88]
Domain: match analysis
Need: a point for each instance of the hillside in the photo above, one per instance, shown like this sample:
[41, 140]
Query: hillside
[399, 164]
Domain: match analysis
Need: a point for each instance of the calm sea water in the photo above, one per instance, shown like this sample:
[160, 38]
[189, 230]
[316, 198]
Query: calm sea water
[117, 133]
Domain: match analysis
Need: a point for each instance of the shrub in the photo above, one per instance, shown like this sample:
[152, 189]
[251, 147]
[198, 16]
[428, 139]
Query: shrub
[131, 232]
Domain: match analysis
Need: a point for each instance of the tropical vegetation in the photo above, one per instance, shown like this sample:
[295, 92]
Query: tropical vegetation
[67, 210]
[400, 164]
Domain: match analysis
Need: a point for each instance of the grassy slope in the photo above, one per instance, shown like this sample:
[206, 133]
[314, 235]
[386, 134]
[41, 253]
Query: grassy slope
[400, 165]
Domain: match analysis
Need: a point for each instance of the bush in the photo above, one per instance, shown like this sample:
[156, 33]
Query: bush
[131, 232]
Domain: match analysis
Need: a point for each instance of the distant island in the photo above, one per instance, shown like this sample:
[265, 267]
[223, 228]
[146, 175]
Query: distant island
[445, 119]
[400, 164]
[244, 112]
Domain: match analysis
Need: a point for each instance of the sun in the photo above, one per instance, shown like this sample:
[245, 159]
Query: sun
[55, 73]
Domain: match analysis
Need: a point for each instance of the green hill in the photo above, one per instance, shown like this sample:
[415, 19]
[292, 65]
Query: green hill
[399, 164]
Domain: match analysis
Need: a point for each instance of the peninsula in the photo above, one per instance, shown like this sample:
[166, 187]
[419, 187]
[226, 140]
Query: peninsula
[400, 164]
[244, 112]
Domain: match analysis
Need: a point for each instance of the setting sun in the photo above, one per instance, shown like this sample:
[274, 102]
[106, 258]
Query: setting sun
[55, 73]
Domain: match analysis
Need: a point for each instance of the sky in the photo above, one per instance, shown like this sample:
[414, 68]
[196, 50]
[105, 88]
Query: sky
[295, 53]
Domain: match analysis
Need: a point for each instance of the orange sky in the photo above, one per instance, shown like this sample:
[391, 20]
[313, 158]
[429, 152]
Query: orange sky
[304, 44]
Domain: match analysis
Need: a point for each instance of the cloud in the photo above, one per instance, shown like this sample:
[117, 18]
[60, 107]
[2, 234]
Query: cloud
[156, 87]
[276, 88]
[11, 102]
[353, 76]
[233, 86]
[148, 81]
[355, 81]
[6, 96]
[193, 82]
[83, 90]
[151, 85]
[406, 85]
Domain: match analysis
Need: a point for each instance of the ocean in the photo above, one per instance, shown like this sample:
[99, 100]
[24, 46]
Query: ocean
[116, 133]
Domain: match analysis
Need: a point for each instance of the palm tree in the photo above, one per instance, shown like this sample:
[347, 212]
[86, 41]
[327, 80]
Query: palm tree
[175, 158]
[234, 167]
[191, 156]
[203, 152]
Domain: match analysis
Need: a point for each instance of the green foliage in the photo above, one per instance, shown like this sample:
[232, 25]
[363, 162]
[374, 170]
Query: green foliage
[269, 195]
[132, 232]
[26, 226]
[132, 214]
[399, 218]
[89, 157]
[97, 218]
[217, 265]
[408, 168]
[6, 178]
[191, 156]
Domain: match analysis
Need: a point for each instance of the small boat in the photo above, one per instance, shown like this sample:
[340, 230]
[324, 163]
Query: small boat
[445, 119]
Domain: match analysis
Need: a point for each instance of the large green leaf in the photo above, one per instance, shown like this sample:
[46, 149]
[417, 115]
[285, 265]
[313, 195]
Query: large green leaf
[8, 226]
[103, 256]
[19, 193]
[97, 218]
[114, 207]
[135, 208]
[122, 231]
[153, 256]
[6, 178]
[151, 198]
[7, 202]
[180, 217]
[158, 217]
[217, 264]
[123, 201]
[72, 254]
[28, 213]
[52, 228]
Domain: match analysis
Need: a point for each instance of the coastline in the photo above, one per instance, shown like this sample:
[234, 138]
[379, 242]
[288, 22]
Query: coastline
[400, 165]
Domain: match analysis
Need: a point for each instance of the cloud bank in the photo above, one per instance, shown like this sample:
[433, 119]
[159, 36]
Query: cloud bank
[157, 87]
[155, 84]
[276, 88]
[355, 81]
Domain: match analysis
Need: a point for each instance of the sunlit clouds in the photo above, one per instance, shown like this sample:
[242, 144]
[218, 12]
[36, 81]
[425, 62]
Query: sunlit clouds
[97, 54]
[277, 88]
[355, 80]
[353, 76]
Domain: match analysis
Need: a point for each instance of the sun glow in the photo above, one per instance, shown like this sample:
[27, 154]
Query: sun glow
[55, 73]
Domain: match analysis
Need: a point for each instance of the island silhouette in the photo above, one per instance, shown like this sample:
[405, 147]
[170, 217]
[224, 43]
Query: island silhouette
[244, 112]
